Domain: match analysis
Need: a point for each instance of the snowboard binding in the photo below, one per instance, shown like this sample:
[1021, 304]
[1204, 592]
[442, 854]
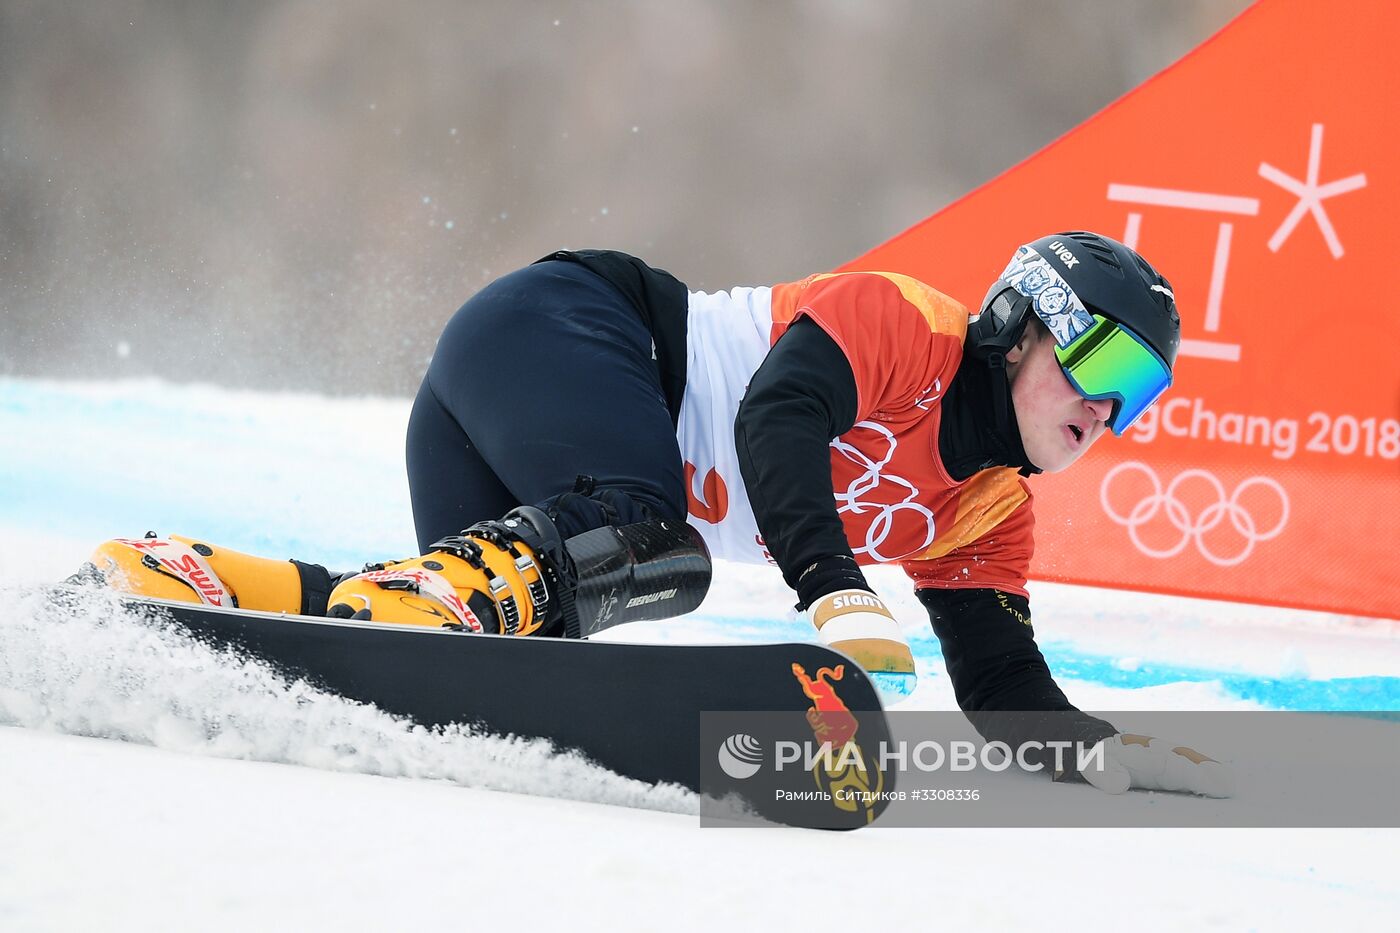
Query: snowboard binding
[516, 576]
[496, 577]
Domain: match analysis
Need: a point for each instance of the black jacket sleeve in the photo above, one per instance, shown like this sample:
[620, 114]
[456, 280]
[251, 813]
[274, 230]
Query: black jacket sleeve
[802, 397]
[999, 675]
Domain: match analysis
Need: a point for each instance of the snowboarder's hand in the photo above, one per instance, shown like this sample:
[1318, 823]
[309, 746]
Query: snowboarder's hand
[1149, 763]
[856, 622]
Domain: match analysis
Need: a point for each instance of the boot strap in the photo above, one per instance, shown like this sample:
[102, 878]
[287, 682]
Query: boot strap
[429, 584]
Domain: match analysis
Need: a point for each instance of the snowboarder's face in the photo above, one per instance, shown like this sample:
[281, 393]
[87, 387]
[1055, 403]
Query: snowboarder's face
[1057, 423]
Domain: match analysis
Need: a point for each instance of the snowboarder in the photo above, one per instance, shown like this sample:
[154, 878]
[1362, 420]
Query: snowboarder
[843, 420]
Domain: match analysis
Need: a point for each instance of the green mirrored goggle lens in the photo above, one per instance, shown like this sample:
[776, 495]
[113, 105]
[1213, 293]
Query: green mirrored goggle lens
[1109, 361]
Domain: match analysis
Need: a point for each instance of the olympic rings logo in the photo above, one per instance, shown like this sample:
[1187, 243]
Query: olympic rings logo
[883, 523]
[1166, 501]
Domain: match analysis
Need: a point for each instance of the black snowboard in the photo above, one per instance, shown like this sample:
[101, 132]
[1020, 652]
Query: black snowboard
[632, 708]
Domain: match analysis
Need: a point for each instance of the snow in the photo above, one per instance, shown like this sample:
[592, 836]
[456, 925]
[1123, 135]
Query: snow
[149, 783]
[115, 836]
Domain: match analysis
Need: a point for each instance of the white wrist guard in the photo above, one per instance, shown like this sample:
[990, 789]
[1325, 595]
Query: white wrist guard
[857, 623]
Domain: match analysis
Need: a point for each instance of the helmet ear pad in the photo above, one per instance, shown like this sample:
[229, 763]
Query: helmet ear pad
[1000, 324]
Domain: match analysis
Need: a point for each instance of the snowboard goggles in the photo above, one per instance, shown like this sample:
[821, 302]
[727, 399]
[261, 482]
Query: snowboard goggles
[1110, 361]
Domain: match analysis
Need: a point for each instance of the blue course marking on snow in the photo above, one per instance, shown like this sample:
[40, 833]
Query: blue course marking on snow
[1288, 693]
[93, 466]
[1369, 695]
[27, 498]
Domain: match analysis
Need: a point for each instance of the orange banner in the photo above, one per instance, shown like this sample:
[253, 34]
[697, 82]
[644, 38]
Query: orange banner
[1259, 175]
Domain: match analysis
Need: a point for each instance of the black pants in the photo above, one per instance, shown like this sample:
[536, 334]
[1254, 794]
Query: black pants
[545, 375]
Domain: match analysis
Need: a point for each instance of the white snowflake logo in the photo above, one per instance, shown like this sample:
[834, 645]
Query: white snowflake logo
[1310, 196]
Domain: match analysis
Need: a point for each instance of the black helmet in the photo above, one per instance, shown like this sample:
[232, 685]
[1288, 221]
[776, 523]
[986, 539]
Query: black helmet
[1107, 277]
[1072, 281]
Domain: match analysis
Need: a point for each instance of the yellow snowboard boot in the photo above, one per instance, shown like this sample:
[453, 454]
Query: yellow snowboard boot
[191, 571]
